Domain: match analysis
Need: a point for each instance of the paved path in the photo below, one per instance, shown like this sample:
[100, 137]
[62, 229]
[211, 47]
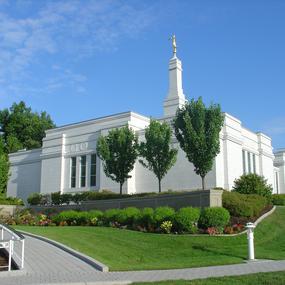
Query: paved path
[46, 264]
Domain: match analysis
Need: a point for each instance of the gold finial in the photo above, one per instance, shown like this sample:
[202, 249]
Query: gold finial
[174, 46]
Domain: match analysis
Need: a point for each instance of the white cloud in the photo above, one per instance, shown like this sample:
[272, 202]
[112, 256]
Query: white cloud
[275, 127]
[70, 29]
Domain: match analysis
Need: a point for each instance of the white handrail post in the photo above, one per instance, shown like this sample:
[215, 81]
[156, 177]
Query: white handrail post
[2, 233]
[10, 256]
[23, 254]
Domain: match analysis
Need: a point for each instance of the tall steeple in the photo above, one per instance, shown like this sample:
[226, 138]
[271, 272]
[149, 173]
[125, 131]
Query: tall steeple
[175, 97]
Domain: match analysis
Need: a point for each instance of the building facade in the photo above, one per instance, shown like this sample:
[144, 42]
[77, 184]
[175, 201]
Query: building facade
[67, 161]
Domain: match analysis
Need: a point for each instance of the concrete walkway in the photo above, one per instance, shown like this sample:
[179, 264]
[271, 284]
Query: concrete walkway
[47, 264]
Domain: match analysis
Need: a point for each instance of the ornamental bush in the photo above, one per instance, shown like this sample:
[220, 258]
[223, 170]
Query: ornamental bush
[94, 217]
[278, 199]
[166, 227]
[71, 218]
[111, 216]
[253, 184]
[145, 218]
[215, 217]
[55, 198]
[35, 199]
[128, 216]
[11, 201]
[186, 219]
[242, 205]
[162, 214]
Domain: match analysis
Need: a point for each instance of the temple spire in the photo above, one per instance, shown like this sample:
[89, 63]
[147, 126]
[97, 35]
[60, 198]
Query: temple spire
[175, 97]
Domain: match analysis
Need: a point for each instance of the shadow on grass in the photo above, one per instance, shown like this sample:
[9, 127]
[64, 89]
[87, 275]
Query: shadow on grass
[204, 249]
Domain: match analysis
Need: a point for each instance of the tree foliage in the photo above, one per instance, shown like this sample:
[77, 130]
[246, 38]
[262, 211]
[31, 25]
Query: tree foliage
[22, 128]
[118, 151]
[197, 129]
[253, 184]
[4, 168]
[156, 150]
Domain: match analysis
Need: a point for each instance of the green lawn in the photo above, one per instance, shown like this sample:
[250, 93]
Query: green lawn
[131, 250]
[272, 278]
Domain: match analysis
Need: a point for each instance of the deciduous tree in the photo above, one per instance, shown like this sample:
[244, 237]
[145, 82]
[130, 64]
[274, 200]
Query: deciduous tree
[118, 152]
[22, 128]
[157, 152]
[4, 168]
[197, 129]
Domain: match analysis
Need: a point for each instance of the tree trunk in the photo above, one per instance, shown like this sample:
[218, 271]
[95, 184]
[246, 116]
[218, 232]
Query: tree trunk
[159, 185]
[203, 182]
[121, 188]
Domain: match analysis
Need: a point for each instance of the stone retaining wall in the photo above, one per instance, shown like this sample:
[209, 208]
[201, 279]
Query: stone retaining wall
[9, 210]
[197, 198]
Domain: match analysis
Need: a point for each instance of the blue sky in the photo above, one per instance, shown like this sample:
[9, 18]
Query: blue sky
[79, 60]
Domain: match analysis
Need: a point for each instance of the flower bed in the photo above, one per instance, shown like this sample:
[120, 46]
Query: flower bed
[160, 220]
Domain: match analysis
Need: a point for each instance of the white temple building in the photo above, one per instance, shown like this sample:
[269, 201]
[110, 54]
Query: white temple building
[67, 161]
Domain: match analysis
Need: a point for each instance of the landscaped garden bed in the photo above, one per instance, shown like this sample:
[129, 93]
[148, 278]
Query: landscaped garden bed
[133, 250]
[237, 210]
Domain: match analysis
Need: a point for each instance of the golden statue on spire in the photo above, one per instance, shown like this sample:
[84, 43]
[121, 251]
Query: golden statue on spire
[174, 46]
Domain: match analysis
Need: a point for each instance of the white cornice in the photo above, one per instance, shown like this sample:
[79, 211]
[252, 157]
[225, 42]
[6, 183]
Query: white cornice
[99, 120]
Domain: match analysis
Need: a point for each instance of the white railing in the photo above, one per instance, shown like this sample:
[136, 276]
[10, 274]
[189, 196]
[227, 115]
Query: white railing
[14, 244]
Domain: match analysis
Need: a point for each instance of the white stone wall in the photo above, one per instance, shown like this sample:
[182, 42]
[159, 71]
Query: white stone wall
[25, 173]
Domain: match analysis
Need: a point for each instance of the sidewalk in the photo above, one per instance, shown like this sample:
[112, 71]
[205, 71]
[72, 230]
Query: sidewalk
[47, 264]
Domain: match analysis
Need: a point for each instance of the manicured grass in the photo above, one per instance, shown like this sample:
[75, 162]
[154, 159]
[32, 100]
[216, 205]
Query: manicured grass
[131, 250]
[272, 278]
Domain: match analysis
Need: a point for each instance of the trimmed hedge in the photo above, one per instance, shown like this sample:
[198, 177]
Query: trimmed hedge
[75, 218]
[215, 217]
[128, 216]
[242, 205]
[278, 199]
[57, 198]
[186, 219]
[162, 214]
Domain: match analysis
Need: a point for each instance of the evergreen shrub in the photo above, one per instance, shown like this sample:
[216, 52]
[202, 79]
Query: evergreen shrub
[162, 214]
[253, 184]
[111, 216]
[215, 217]
[186, 219]
[278, 199]
[35, 199]
[145, 218]
[242, 205]
[128, 216]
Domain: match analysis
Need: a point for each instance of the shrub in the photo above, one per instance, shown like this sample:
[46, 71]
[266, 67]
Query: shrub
[145, 218]
[216, 217]
[35, 199]
[65, 198]
[11, 201]
[186, 219]
[253, 184]
[111, 216]
[71, 218]
[162, 214]
[242, 205]
[25, 217]
[128, 215]
[166, 227]
[94, 217]
[278, 199]
[55, 198]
